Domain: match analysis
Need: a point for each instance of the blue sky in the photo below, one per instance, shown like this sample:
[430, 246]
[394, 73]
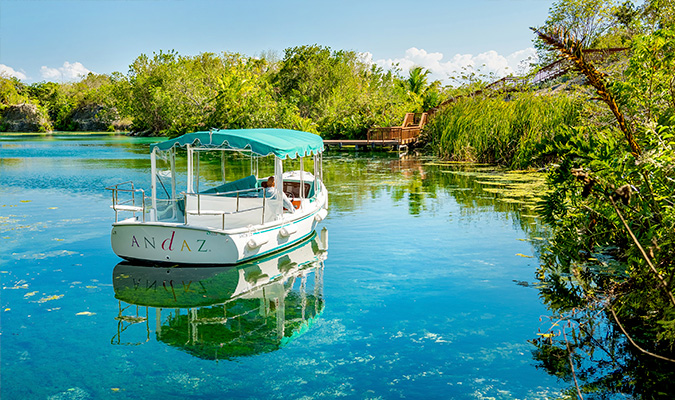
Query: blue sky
[59, 40]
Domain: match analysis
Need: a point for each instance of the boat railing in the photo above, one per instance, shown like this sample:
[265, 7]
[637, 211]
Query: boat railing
[126, 321]
[130, 198]
[205, 199]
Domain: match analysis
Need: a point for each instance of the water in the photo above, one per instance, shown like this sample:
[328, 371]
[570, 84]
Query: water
[423, 293]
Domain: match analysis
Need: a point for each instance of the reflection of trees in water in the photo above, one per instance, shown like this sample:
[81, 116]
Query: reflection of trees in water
[588, 351]
[583, 345]
[424, 184]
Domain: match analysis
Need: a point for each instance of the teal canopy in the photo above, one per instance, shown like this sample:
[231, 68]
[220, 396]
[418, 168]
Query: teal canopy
[283, 143]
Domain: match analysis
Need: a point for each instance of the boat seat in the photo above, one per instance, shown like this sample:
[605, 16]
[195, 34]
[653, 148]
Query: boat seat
[240, 184]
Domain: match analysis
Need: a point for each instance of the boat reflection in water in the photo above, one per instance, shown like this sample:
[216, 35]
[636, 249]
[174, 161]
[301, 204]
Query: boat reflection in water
[224, 312]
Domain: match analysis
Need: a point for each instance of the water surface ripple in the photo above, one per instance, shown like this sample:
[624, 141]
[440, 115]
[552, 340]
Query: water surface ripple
[417, 297]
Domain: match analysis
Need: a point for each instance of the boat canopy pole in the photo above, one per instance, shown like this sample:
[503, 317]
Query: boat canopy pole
[302, 178]
[321, 165]
[222, 165]
[279, 182]
[172, 164]
[188, 189]
[254, 165]
[153, 183]
[316, 173]
[197, 173]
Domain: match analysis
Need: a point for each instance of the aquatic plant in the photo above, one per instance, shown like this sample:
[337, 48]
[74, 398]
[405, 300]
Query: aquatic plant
[508, 131]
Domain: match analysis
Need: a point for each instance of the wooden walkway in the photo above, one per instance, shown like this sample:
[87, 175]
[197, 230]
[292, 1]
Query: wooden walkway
[547, 73]
[359, 144]
[394, 137]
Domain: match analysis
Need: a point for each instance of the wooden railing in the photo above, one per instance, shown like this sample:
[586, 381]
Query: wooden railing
[549, 72]
[404, 134]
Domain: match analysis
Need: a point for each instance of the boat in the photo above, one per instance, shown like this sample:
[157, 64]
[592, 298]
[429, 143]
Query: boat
[228, 222]
[223, 312]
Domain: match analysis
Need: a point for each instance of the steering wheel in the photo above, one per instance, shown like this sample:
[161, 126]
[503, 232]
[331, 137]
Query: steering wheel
[290, 197]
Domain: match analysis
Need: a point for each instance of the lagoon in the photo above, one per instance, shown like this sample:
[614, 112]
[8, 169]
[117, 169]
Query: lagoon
[424, 292]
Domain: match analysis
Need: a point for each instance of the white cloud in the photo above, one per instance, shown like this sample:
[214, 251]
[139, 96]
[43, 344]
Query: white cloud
[11, 72]
[68, 72]
[486, 63]
[50, 73]
[366, 57]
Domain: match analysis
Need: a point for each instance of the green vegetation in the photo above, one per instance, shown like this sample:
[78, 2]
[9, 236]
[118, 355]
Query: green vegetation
[612, 212]
[334, 93]
[484, 129]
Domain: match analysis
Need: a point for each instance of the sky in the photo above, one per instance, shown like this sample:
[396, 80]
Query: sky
[60, 41]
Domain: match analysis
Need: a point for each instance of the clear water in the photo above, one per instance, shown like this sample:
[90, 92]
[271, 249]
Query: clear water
[419, 292]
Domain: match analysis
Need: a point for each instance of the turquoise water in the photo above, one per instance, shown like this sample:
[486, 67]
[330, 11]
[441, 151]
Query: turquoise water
[421, 294]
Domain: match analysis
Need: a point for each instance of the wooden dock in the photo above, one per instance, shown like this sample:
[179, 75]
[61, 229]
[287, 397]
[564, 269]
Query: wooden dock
[394, 137]
[360, 144]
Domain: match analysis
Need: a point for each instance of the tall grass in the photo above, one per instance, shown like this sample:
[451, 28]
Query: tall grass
[504, 131]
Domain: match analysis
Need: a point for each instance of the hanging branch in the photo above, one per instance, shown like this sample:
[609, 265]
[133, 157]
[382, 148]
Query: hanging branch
[630, 339]
[569, 357]
[623, 193]
[663, 284]
[570, 48]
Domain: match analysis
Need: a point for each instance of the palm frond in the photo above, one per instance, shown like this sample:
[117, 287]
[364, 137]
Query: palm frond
[569, 47]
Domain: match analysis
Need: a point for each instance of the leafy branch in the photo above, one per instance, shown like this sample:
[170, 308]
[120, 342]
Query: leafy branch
[571, 48]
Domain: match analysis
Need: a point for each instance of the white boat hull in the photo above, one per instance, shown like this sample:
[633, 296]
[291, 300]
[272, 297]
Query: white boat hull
[185, 244]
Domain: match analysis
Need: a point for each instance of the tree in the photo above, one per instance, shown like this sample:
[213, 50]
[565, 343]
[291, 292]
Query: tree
[423, 94]
[610, 261]
[244, 97]
[11, 91]
[171, 94]
[587, 21]
[340, 92]
[417, 80]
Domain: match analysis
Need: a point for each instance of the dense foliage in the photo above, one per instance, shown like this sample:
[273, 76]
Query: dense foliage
[489, 129]
[612, 210]
[608, 270]
[335, 93]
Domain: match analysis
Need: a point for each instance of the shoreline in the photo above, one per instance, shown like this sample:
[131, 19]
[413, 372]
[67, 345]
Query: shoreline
[63, 133]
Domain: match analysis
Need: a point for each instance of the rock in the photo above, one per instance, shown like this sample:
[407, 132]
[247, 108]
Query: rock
[94, 117]
[24, 117]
